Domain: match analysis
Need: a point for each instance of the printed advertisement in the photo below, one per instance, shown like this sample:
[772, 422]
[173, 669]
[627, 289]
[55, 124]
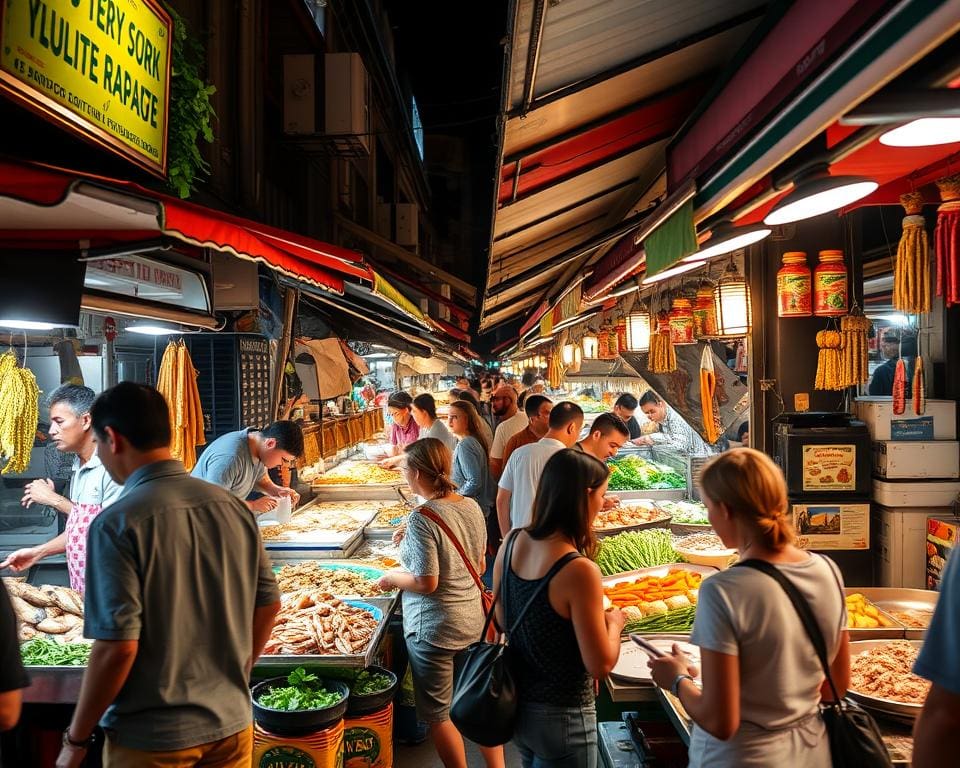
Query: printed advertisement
[829, 468]
[832, 526]
[100, 67]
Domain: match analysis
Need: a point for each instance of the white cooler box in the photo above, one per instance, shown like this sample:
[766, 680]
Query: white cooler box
[929, 493]
[900, 545]
[877, 413]
[897, 460]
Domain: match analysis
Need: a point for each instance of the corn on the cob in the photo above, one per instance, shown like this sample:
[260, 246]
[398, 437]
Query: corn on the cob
[19, 413]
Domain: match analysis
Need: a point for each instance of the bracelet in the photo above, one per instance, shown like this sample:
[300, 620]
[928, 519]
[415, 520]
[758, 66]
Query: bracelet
[84, 744]
[675, 685]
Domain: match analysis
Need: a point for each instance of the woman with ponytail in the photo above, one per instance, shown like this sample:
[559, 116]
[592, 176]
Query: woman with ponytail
[442, 610]
[762, 683]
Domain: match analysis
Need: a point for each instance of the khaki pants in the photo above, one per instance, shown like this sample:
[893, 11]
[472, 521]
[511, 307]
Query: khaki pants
[231, 752]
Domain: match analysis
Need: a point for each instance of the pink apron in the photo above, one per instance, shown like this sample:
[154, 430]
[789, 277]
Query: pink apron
[78, 521]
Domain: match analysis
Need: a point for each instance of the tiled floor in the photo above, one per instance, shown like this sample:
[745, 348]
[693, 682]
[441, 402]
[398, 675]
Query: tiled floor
[424, 756]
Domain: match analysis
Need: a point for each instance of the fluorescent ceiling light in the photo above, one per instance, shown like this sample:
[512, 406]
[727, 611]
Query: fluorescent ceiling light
[817, 192]
[925, 132]
[27, 325]
[679, 269]
[150, 329]
[726, 239]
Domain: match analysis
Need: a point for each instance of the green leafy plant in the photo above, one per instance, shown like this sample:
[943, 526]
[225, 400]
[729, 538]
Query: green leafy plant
[49, 653]
[191, 113]
[368, 683]
[302, 692]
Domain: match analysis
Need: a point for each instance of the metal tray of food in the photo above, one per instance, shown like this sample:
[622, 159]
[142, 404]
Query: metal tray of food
[369, 492]
[659, 522]
[895, 710]
[671, 494]
[895, 632]
[917, 604]
[659, 571]
[381, 532]
[366, 571]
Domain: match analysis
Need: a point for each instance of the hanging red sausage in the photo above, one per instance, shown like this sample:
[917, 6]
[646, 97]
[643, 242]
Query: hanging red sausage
[947, 240]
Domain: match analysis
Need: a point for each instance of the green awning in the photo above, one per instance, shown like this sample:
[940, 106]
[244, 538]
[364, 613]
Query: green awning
[673, 240]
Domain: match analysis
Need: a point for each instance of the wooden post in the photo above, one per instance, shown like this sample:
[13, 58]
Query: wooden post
[290, 301]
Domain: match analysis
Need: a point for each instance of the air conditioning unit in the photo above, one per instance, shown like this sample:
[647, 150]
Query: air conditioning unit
[299, 94]
[407, 224]
[346, 98]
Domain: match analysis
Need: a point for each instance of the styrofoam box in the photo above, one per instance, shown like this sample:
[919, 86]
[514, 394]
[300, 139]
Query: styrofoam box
[899, 546]
[877, 413]
[930, 493]
[938, 459]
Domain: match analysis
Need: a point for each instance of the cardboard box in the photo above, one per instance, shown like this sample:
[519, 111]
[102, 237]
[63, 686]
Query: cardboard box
[898, 541]
[930, 493]
[942, 535]
[883, 424]
[938, 459]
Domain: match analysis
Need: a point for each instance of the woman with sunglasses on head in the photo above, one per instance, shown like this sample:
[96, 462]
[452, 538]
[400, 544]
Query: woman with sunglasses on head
[471, 468]
[762, 682]
[565, 641]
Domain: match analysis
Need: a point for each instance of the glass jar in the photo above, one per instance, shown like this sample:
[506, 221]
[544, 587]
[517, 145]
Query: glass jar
[621, 334]
[704, 313]
[681, 321]
[613, 342]
[830, 285]
[794, 286]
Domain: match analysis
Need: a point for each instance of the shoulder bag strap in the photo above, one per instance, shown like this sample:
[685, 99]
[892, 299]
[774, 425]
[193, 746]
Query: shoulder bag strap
[431, 515]
[803, 610]
[545, 582]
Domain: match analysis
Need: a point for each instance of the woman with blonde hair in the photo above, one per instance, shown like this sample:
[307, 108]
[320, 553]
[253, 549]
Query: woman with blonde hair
[442, 610]
[471, 463]
[762, 682]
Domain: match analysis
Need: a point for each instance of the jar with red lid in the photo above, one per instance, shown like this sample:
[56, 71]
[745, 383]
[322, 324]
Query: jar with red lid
[794, 286]
[621, 334]
[830, 285]
[704, 313]
[681, 321]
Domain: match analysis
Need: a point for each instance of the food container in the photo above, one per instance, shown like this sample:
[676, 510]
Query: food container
[362, 705]
[895, 710]
[704, 313]
[672, 494]
[894, 632]
[632, 666]
[685, 529]
[877, 413]
[889, 599]
[657, 570]
[681, 322]
[902, 460]
[300, 722]
[716, 558]
[920, 494]
[830, 285]
[794, 286]
[366, 571]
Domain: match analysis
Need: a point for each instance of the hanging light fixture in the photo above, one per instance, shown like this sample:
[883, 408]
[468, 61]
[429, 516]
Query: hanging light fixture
[924, 132]
[566, 354]
[725, 238]
[591, 346]
[638, 331]
[731, 298]
[816, 192]
[679, 269]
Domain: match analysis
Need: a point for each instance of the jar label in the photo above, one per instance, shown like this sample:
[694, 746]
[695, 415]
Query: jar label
[830, 294]
[793, 295]
[681, 330]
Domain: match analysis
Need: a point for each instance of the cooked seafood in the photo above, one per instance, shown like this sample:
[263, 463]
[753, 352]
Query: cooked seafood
[47, 611]
[391, 517]
[312, 622]
[635, 513]
[336, 517]
[335, 581]
[701, 542]
[885, 672]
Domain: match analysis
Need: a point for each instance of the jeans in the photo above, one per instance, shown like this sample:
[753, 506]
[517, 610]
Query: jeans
[550, 736]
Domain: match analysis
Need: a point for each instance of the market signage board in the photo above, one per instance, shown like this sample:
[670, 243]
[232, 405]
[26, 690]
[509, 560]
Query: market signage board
[100, 68]
[832, 526]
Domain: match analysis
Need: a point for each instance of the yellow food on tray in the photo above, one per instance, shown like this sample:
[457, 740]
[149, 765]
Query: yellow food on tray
[324, 517]
[653, 595]
[357, 473]
[862, 614]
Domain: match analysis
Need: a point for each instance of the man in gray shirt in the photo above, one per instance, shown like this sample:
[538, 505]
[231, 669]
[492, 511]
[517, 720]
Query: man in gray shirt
[238, 462]
[180, 602]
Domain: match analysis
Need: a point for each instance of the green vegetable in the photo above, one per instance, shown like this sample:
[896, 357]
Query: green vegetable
[635, 549]
[678, 621]
[41, 652]
[303, 693]
[368, 683]
[631, 473]
[686, 512]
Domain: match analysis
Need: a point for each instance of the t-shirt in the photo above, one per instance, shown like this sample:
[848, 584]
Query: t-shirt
[742, 612]
[524, 437]
[178, 565]
[505, 430]
[471, 472]
[402, 436]
[439, 430]
[938, 661]
[227, 462]
[521, 477]
[634, 428]
[452, 616]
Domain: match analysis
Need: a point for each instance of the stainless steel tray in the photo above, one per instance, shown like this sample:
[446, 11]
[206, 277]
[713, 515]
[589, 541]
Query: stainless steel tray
[895, 710]
[657, 570]
[900, 599]
[368, 492]
[662, 522]
[334, 564]
[671, 494]
[53, 685]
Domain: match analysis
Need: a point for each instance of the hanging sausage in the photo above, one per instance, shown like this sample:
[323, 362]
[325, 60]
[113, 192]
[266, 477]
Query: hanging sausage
[946, 240]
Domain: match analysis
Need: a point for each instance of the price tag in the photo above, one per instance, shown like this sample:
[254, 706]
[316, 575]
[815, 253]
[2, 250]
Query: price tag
[801, 402]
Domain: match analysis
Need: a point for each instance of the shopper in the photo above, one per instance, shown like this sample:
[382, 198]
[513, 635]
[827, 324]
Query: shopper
[425, 414]
[565, 641]
[13, 677]
[673, 432]
[521, 476]
[471, 470]
[91, 488]
[893, 346]
[606, 437]
[239, 462]
[180, 601]
[403, 429]
[510, 420]
[468, 396]
[442, 611]
[939, 721]
[762, 680]
[537, 408]
[624, 408]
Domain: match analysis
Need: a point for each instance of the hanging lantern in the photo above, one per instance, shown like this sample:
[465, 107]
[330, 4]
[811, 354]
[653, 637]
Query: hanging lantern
[638, 331]
[572, 357]
[731, 300]
[566, 354]
[681, 321]
[590, 346]
[704, 313]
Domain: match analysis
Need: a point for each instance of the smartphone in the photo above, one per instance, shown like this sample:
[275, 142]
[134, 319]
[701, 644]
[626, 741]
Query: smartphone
[647, 646]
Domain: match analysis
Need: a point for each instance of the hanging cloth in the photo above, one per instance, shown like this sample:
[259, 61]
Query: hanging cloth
[946, 240]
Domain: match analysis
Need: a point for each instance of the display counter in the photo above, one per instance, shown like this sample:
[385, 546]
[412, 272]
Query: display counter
[339, 434]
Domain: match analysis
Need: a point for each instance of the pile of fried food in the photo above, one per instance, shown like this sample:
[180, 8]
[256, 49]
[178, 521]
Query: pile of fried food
[335, 581]
[391, 517]
[862, 614]
[312, 622]
[359, 473]
[625, 515]
[327, 517]
[46, 611]
[885, 672]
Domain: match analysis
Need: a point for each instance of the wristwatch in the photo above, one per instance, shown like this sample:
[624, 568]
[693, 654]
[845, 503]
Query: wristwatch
[68, 742]
[675, 685]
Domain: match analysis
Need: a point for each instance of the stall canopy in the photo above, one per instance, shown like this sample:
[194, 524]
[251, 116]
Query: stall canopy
[594, 93]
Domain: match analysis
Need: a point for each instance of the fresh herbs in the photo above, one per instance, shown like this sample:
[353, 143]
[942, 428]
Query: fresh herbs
[631, 473]
[635, 549]
[679, 621]
[302, 692]
[41, 652]
[368, 683]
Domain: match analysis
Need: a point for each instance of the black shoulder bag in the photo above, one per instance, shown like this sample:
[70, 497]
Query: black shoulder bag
[484, 707]
[855, 739]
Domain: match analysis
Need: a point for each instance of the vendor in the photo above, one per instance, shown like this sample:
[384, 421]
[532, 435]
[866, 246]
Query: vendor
[674, 432]
[238, 461]
[91, 488]
[624, 408]
[404, 429]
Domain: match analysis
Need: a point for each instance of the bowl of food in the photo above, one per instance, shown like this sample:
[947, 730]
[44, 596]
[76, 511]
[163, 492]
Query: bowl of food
[687, 517]
[371, 690]
[705, 549]
[299, 703]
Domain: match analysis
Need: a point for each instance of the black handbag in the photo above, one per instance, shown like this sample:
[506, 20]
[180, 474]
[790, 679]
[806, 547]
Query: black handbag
[854, 737]
[484, 707]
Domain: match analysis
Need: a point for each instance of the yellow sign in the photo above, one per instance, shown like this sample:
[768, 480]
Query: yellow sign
[100, 67]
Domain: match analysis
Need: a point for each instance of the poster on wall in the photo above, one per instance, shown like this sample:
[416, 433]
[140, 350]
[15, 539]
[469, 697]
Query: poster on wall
[829, 468]
[99, 68]
[832, 526]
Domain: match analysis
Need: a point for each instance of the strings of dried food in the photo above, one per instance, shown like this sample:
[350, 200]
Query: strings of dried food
[177, 382]
[919, 387]
[946, 240]
[853, 349]
[828, 361]
[663, 356]
[900, 387]
[19, 413]
[911, 282]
